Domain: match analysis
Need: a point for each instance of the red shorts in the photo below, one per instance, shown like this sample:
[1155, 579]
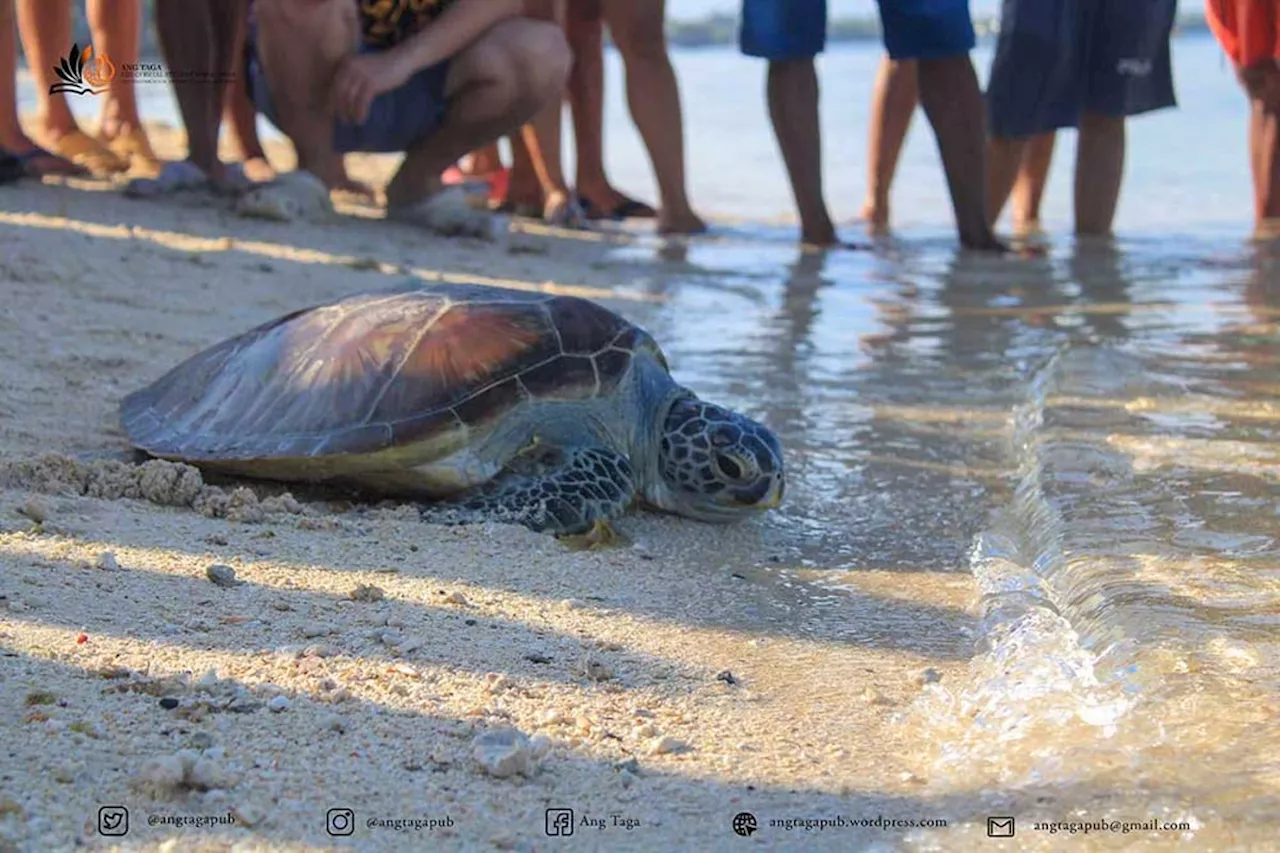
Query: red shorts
[1246, 29]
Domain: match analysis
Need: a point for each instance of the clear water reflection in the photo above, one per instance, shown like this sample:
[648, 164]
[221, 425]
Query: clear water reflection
[1101, 422]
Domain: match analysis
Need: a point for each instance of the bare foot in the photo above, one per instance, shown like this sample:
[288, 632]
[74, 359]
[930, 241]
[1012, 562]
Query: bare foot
[1023, 226]
[348, 187]
[683, 222]
[563, 210]
[819, 239]
[129, 142]
[817, 230]
[257, 169]
[480, 164]
[876, 217]
[523, 193]
[984, 242]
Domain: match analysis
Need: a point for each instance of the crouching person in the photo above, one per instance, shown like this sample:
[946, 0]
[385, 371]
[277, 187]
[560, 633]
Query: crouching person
[433, 79]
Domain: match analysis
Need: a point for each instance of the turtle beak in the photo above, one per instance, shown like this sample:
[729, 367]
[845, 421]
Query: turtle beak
[764, 495]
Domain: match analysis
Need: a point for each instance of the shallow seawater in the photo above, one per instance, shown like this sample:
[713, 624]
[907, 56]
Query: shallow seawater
[1095, 435]
[851, 357]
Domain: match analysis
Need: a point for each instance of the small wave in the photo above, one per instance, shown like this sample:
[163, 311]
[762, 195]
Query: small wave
[1031, 678]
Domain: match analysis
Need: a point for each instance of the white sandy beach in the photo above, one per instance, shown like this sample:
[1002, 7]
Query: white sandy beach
[610, 660]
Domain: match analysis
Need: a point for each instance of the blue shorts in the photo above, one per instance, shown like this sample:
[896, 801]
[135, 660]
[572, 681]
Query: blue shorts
[927, 29]
[1058, 58]
[779, 30]
[396, 119]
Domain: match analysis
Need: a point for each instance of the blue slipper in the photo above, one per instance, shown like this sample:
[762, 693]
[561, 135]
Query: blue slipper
[27, 159]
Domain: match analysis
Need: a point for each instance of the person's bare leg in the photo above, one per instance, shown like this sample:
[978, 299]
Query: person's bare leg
[1033, 174]
[117, 32]
[524, 190]
[793, 108]
[1264, 141]
[45, 26]
[1099, 172]
[584, 27]
[537, 157]
[494, 87]
[13, 140]
[541, 142]
[300, 44]
[1256, 140]
[239, 113]
[200, 36]
[653, 96]
[1004, 160]
[952, 100]
[893, 105]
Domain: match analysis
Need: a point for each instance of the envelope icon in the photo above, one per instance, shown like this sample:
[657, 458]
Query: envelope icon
[1000, 827]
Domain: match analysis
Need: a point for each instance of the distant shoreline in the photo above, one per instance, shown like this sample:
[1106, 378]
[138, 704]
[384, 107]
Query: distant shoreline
[722, 29]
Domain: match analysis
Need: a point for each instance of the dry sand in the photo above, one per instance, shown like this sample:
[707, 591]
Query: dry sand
[293, 697]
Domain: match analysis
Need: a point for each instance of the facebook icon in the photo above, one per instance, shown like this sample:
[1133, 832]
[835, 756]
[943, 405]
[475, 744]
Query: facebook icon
[560, 822]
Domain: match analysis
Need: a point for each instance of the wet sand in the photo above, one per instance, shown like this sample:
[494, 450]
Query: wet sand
[615, 662]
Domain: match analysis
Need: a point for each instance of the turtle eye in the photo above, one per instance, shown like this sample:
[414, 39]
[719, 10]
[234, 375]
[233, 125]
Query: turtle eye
[728, 467]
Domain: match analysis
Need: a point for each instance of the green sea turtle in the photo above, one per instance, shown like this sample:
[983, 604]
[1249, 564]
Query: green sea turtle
[549, 411]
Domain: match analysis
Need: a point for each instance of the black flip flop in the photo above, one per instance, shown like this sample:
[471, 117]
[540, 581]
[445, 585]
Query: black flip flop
[628, 208]
[11, 169]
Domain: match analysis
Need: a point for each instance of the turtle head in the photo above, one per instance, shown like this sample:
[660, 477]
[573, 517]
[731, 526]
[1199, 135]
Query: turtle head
[715, 464]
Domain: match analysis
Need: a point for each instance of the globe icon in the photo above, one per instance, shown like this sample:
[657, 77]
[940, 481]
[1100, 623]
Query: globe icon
[744, 823]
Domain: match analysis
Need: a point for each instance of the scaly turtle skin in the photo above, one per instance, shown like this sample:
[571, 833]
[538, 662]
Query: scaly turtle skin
[548, 411]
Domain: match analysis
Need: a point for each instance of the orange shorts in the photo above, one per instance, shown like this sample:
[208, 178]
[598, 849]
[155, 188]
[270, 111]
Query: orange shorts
[1246, 29]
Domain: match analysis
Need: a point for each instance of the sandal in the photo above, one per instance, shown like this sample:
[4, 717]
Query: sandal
[83, 150]
[494, 183]
[134, 148]
[628, 208]
[510, 208]
[569, 215]
[183, 176]
[11, 169]
[32, 167]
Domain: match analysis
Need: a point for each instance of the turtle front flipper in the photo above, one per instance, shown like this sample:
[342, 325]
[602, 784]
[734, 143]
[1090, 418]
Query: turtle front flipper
[550, 490]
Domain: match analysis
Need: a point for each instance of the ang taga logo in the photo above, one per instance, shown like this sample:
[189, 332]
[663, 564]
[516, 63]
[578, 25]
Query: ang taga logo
[82, 73]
